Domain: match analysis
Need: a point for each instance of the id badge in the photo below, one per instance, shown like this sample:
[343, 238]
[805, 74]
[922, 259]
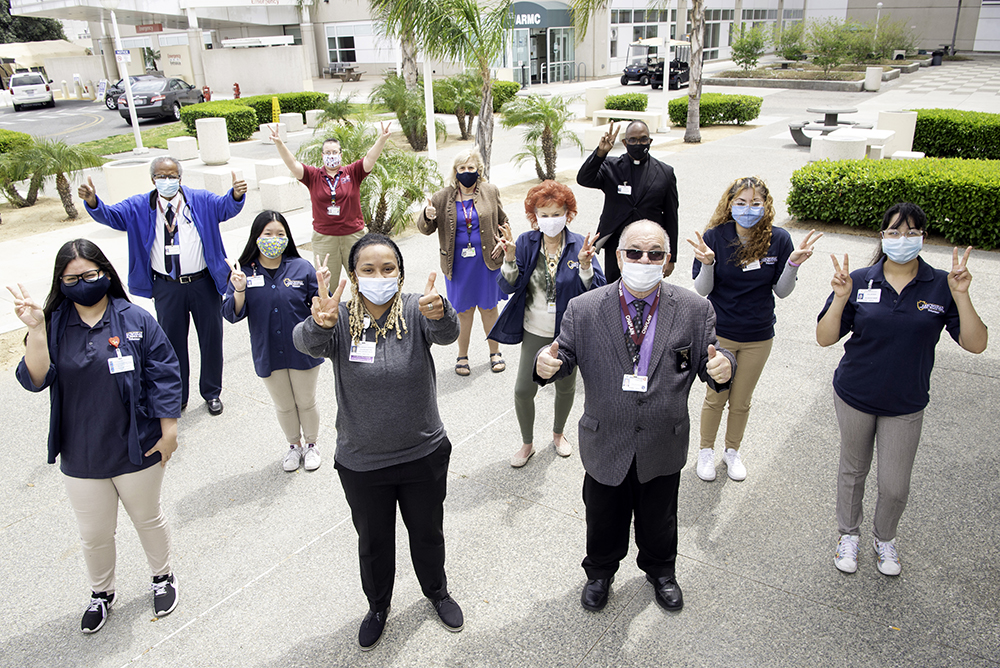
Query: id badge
[634, 383]
[752, 266]
[869, 296]
[552, 307]
[333, 210]
[468, 251]
[172, 249]
[363, 351]
[256, 281]
[121, 364]
[624, 190]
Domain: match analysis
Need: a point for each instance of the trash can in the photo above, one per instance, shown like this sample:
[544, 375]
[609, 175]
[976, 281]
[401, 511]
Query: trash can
[936, 57]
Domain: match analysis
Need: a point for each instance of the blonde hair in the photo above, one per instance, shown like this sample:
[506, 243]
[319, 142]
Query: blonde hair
[463, 157]
[760, 234]
[357, 312]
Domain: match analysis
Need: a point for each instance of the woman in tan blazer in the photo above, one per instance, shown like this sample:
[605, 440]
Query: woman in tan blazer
[468, 216]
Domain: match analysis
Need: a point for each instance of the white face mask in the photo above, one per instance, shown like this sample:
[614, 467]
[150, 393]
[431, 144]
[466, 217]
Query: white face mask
[640, 277]
[378, 290]
[551, 227]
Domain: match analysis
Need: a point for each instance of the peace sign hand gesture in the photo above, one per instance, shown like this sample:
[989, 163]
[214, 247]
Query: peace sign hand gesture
[608, 140]
[587, 252]
[959, 277]
[27, 309]
[805, 249]
[326, 307]
[505, 241]
[384, 134]
[842, 282]
[702, 252]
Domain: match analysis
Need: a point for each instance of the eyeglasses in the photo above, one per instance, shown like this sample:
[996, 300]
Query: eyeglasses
[636, 254]
[165, 177]
[87, 276]
[640, 141]
[896, 234]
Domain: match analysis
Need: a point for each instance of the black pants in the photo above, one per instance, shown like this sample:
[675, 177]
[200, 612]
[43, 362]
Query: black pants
[609, 517]
[610, 266]
[419, 488]
[176, 305]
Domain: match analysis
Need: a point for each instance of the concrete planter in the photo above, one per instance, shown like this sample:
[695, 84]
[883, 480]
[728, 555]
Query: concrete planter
[889, 75]
[213, 141]
[926, 62]
[126, 178]
[909, 68]
[794, 84]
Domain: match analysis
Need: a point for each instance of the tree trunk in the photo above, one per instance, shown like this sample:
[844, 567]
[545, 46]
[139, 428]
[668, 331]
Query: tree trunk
[66, 195]
[692, 134]
[408, 48]
[484, 131]
[34, 185]
[463, 127]
[538, 170]
[378, 222]
[10, 192]
[549, 153]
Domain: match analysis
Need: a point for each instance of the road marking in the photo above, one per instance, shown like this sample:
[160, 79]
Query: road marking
[96, 120]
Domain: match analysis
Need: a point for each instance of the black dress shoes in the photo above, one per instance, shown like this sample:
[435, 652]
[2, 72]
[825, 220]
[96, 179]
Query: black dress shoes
[668, 593]
[215, 406]
[371, 629]
[595, 593]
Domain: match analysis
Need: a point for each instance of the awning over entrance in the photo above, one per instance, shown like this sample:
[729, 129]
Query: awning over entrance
[33, 54]
[544, 14]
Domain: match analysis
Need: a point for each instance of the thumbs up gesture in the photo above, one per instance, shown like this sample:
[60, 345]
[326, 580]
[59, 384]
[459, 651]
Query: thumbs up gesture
[548, 361]
[718, 366]
[431, 304]
[88, 193]
[326, 307]
[239, 187]
[430, 213]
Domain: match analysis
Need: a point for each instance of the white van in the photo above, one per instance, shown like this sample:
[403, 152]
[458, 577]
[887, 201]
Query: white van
[30, 88]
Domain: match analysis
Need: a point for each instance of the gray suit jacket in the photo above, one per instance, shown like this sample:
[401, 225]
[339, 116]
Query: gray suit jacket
[652, 426]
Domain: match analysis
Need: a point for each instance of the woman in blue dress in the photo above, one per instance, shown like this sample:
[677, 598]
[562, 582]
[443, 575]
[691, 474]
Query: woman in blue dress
[468, 216]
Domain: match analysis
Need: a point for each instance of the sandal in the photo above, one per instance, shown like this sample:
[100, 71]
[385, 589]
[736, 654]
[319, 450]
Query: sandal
[462, 369]
[497, 365]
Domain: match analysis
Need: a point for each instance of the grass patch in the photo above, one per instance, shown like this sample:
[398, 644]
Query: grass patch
[154, 137]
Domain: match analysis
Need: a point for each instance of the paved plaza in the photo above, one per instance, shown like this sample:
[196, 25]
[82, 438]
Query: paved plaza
[267, 561]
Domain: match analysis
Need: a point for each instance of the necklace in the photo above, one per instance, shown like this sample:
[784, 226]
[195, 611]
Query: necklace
[383, 331]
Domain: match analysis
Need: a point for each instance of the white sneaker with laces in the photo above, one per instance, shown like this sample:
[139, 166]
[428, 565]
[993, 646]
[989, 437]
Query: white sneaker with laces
[292, 458]
[311, 458]
[847, 554]
[734, 465]
[888, 558]
[706, 464]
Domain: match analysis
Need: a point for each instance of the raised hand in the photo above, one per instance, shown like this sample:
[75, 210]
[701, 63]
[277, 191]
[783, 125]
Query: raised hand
[239, 187]
[27, 309]
[608, 140]
[805, 249]
[841, 282]
[323, 271]
[239, 279]
[959, 277]
[505, 241]
[88, 193]
[326, 307]
[718, 366]
[275, 133]
[702, 252]
[548, 361]
[384, 134]
[431, 304]
[586, 255]
[430, 213]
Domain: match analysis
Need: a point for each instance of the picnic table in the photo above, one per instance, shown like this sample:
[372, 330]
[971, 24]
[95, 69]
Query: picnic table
[830, 115]
[343, 72]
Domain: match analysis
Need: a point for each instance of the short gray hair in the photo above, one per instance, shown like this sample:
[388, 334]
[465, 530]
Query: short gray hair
[159, 160]
[639, 225]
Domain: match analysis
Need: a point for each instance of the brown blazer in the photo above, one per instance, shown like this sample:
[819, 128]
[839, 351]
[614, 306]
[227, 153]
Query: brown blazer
[491, 216]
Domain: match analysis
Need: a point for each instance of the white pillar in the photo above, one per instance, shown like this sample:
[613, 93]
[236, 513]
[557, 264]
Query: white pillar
[429, 109]
[195, 46]
[309, 44]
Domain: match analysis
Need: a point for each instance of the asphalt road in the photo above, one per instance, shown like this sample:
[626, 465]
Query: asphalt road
[74, 121]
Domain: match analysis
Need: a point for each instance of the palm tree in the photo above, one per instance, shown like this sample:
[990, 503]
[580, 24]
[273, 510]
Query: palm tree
[55, 158]
[15, 167]
[544, 121]
[400, 18]
[337, 109]
[408, 105]
[460, 95]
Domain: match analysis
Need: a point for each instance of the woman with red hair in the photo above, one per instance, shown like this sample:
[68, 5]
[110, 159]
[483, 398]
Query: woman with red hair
[548, 266]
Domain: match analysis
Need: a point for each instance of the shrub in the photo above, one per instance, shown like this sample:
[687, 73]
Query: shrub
[950, 133]
[717, 108]
[289, 102]
[748, 46]
[959, 196]
[788, 42]
[241, 120]
[503, 91]
[859, 42]
[627, 102]
[828, 42]
[11, 141]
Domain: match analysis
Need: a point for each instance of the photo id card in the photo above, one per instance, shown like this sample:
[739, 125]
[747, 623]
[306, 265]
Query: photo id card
[333, 210]
[869, 296]
[552, 307]
[634, 383]
[752, 266]
[363, 351]
[468, 251]
[624, 190]
[172, 249]
[121, 364]
[255, 281]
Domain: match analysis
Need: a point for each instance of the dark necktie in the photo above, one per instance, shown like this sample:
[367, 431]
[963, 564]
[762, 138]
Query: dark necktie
[170, 261]
[639, 306]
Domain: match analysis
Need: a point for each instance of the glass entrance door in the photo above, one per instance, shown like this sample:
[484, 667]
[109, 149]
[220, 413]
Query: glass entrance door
[521, 58]
[562, 55]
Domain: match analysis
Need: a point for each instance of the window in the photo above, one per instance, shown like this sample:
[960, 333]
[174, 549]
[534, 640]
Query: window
[614, 16]
[625, 16]
[639, 16]
[614, 48]
[174, 39]
[638, 32]
[342, 49]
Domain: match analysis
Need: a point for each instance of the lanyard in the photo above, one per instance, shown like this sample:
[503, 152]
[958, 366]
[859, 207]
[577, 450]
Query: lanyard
[637, 338]
[177, 211]
[467, 212]
[333, 186]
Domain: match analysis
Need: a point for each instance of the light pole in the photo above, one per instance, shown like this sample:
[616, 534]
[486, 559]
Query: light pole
[878, 16]
[111, 6]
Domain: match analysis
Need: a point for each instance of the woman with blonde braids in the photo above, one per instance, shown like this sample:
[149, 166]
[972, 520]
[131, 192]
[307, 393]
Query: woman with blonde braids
[382, 360]
[741, 262]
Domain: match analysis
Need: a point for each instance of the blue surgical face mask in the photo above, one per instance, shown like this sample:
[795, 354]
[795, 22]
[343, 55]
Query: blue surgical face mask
[167, 187]
[378, 290]
[86, 294]
[902, 250]
[747, 216]
[468, 179]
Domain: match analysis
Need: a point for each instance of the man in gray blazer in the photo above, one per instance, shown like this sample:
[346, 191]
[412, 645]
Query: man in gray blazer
[639, 342]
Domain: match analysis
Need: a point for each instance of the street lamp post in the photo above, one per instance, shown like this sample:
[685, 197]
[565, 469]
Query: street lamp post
[111, 6]
[878, 17]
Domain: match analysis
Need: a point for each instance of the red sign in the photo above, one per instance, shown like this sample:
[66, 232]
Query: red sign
[151, 27]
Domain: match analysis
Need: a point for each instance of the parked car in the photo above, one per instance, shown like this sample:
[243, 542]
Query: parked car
[159, 98]
[30, 88]
[117, 89]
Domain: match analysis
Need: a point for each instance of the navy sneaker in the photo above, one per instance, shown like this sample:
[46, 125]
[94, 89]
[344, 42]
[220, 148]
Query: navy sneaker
[164, 594]
[97, 612]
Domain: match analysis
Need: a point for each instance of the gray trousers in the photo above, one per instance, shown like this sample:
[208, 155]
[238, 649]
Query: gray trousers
[896, 439]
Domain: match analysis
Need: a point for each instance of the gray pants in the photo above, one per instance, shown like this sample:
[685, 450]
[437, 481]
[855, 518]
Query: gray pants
[896, 439]
[525, 390]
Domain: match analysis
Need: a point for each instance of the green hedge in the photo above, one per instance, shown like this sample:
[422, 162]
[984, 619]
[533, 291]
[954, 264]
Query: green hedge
[504, 91]
[10, 140]
[241, 120]
[959, 196]
[950, 133]
[300, 102]
[717, 108]
[627, 102]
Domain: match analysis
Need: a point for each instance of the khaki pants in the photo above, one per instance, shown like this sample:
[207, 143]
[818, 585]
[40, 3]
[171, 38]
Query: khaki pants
[293, 392]
[339, 250]
[750, 360]
[95, 502]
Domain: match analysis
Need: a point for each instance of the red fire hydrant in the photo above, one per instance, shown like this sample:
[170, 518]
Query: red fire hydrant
[206, 93]
[236, 91]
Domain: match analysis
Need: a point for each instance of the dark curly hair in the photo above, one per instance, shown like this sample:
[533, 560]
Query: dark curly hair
[760, 234]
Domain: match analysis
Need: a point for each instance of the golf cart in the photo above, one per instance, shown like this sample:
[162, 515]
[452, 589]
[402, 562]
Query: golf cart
[642, 59]
[680, 70]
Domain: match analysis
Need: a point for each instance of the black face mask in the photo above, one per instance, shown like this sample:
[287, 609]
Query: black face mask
[637, 151]
[87, 294]
[468, 179]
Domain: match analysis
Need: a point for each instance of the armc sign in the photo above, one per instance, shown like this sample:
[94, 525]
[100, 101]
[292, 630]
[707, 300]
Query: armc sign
[528, 20]
[540, 15]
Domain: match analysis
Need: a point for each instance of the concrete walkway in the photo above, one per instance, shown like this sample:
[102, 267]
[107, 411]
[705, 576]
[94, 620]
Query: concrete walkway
[267, 561]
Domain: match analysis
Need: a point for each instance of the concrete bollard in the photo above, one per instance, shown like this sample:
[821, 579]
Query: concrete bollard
[595, 100]
[213, 142]
[873, 78]
[78, 89]
[904, 123]
[182, 148]
[65, 89]
[126, 178]
[293, 120]
[312, 117]
[282, 194]
[265, 132]
[270, 169]
[89, 90]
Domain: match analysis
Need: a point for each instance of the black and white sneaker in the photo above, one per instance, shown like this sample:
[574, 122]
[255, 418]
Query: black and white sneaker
[371, 630]
[97, 612]
[164, 594]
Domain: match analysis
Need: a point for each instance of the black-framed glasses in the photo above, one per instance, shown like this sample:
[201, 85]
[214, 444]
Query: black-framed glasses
[635, 254]
[87, 276]
[638, 141]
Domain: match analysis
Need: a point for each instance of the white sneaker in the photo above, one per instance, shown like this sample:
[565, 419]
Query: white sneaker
[847, 554]
[311, 457]
[888, 558]
[292, 459]
[734, 465]
[706, 464]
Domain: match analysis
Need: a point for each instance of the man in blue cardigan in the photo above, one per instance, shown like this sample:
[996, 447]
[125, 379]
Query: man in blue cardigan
[174, 245]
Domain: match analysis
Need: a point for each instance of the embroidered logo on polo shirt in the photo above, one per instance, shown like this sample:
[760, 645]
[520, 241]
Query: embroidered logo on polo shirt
[933, 308]
[289, 283]
[572, 264]
[770, 259]
[134, 336]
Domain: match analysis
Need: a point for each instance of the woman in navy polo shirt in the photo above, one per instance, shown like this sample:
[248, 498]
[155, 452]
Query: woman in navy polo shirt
[273, 288]
[895, 310]
[547, 267]
[115, 392]
[740, 263]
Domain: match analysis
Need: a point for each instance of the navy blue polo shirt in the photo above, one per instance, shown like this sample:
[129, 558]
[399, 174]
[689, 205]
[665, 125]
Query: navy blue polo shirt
[272, 311]
[887, 363]
[94, 421]
[743, 300]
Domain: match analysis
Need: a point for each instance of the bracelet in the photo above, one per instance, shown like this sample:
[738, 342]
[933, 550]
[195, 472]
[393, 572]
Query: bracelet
[792, 264]
[243, 290]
